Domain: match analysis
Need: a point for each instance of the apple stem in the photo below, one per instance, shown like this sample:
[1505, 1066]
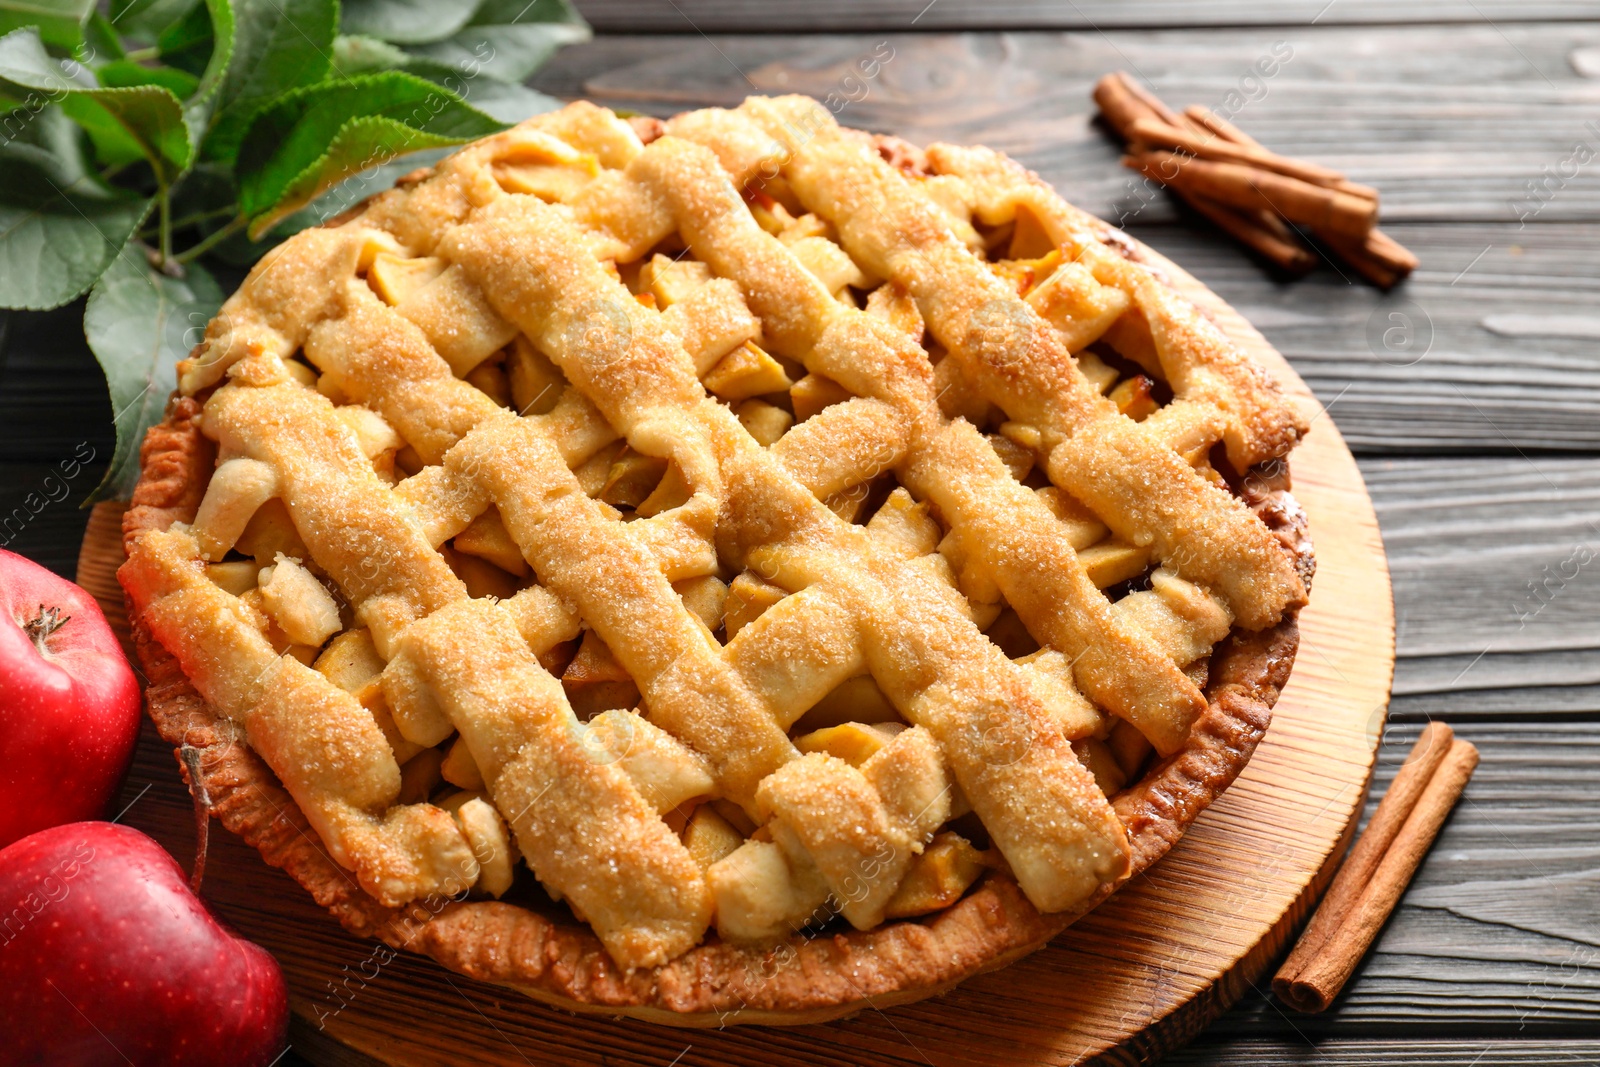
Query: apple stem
[41, 626]
[202, 813]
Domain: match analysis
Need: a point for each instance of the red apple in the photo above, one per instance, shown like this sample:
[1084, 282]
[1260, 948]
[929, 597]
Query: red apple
[69, 704]
[107, 958]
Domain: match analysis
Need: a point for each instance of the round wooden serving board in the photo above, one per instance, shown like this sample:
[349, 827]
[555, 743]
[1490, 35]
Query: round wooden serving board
[1141, 974]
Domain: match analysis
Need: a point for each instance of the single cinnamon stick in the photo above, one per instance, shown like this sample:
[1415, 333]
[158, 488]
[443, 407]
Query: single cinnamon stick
[1150, 100]
[1261, 231]
[1366, 892]
[1380, 259]
[1216, 124]
[1365, 854]
[1154, 132]
[1243, 186]
[1220, 126]
[1121, 107]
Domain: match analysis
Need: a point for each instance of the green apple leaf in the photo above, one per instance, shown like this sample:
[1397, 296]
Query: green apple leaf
[143, 119]
[357, 145]
[100, 41]
[407, 21]
[60, 226]
[146, 19]
[60, 22]
[354, 54]
[310, 139]
[278, 45]
[508, 102]
[354, 189]
[139, 323]
[200, 104]
[186, 44]
[125, 74]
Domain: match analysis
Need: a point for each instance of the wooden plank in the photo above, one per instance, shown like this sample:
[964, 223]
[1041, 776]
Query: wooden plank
[775, 16]
[1450, 122]
[1489, 347]
[1498, 933]
[37, 520]
[1363, 1052]
[52, 394]
[56, 435]
[1496, 565]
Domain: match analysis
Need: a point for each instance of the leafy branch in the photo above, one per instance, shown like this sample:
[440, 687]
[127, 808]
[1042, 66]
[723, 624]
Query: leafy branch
[143, 141]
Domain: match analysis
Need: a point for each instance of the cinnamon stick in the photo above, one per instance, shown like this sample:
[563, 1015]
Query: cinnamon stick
[1221, 127]
[1260, 231]
[1365, 855]
[1380, 259]
[1238, 185]
[1154, 132]
[1123, 101]
[1377, 871]
[1248, 190]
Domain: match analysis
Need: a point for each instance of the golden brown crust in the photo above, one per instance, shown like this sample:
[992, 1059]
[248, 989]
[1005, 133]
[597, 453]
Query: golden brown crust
[808, 978]
[175, 464]
[1248, 672]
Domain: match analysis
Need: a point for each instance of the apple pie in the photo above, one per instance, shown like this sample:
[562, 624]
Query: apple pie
[720, 570]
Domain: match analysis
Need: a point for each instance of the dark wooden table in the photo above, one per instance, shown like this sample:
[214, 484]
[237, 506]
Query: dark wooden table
[1478, 432]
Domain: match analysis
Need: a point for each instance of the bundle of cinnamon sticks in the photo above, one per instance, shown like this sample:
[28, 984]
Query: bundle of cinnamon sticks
[1250, 192]
[1377, 870]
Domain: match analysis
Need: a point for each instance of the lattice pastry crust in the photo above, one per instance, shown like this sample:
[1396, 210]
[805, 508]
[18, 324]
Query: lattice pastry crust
[738, 535]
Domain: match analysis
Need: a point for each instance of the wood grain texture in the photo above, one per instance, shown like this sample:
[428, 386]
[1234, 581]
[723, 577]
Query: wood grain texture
[1497, 571]
[36, 520]
[779, 16]
[1142, 973]
[52, 394]
[1497, 935]
[1450, 123]
[1490, 347]
[1363, 1052]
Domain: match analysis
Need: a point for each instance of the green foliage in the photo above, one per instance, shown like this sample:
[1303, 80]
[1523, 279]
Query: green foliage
[59, 22]
[150, 124]
[126, 124]
[507, 53]
[312, 139]
[139, 322]
[200, 104]
[407, 21]
[279, 45]
[62, 225]
[145, 19]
